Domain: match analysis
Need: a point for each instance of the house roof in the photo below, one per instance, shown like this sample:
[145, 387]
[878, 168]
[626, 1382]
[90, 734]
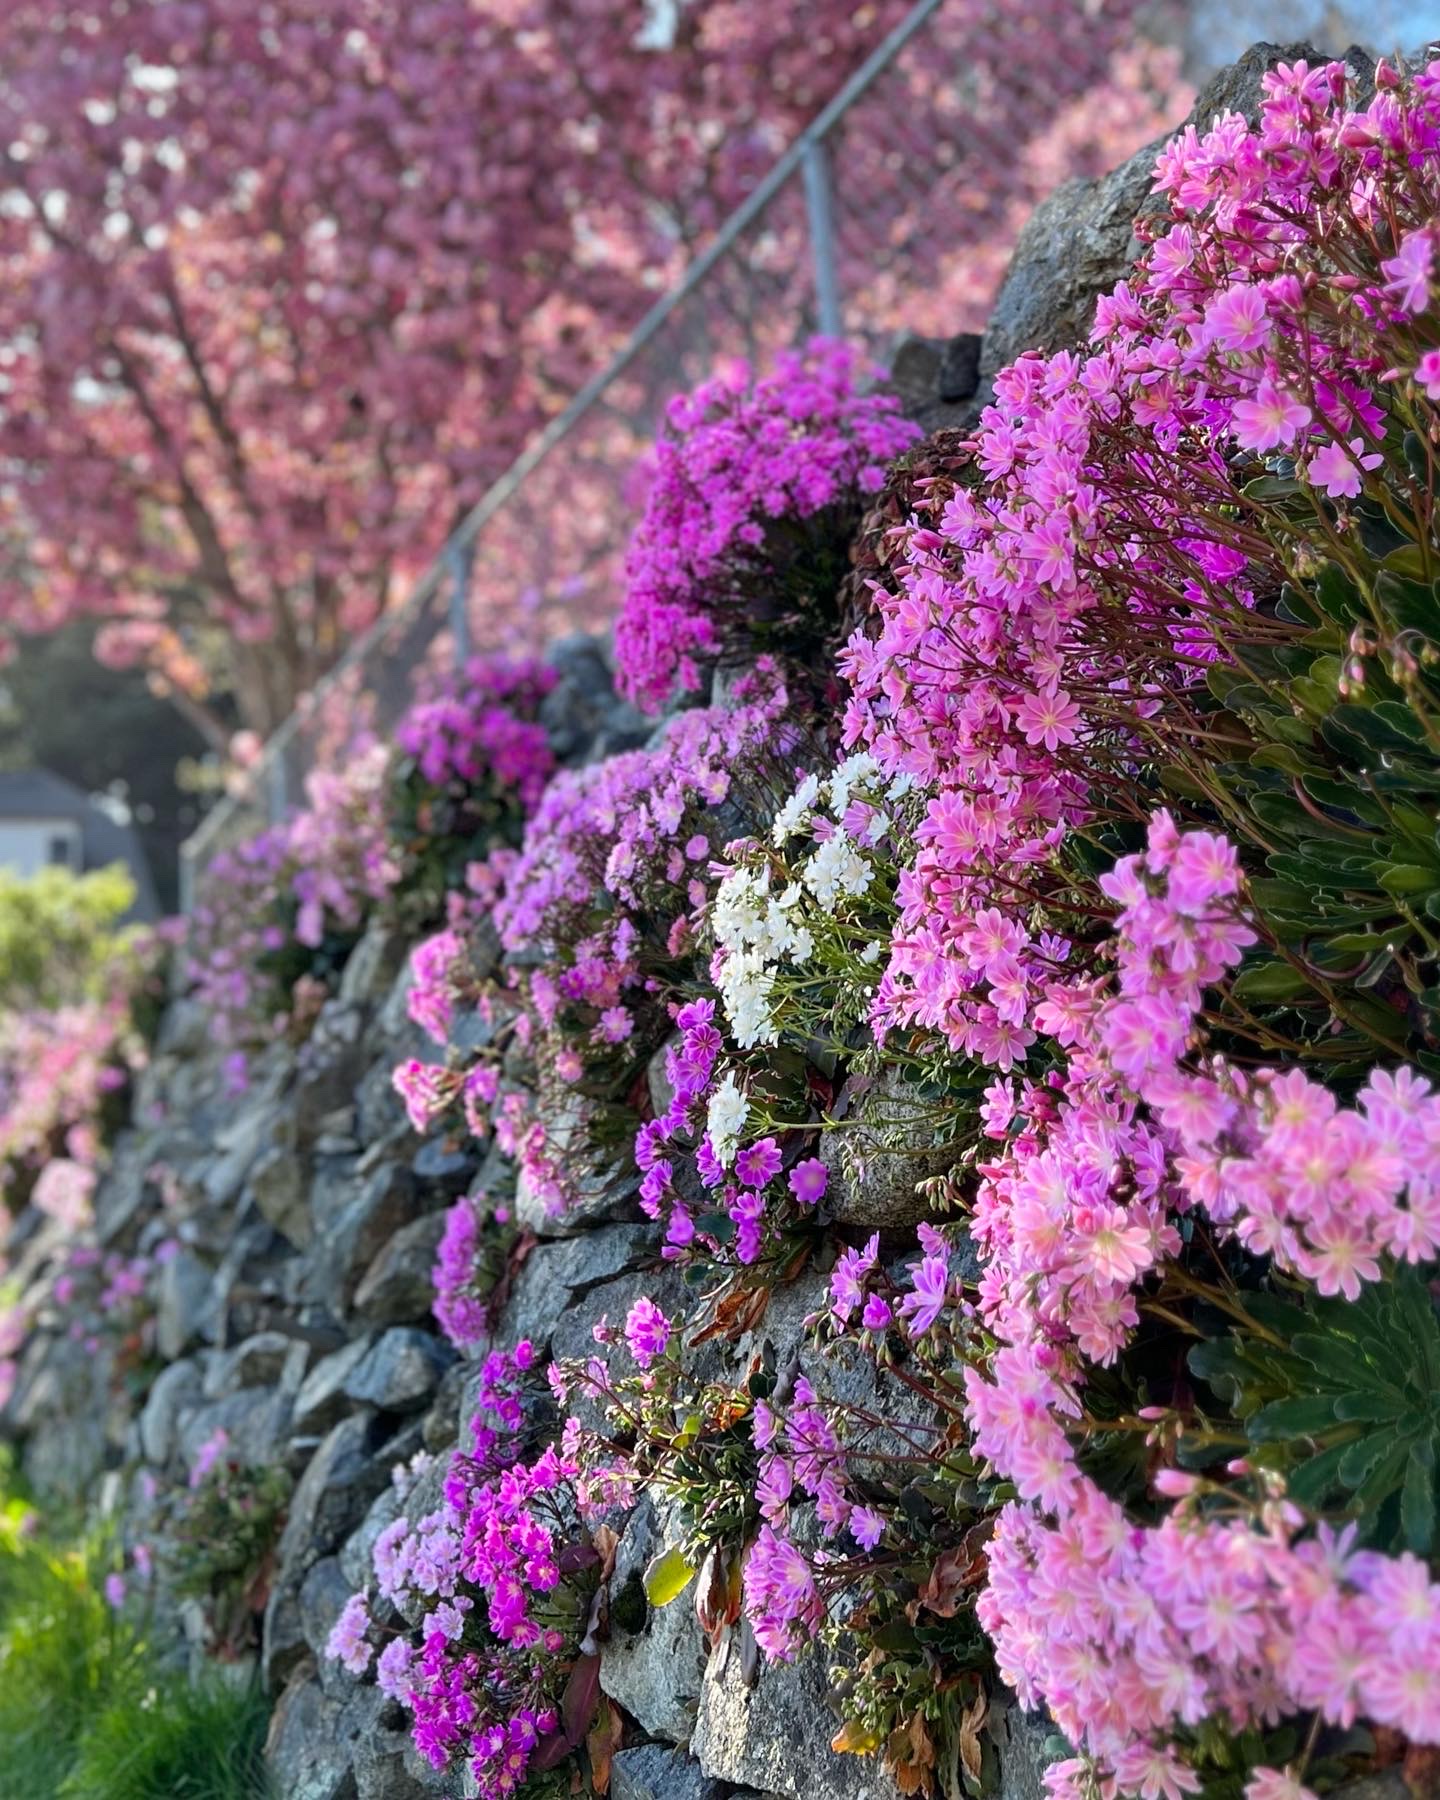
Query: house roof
[37, 794]
[41, 794]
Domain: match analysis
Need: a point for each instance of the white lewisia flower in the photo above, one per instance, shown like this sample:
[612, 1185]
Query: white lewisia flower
[837, 868]
[745, 984]
[793, 814]
[725, 1120]
[738, 910]
[853, 770]
[871, 952]
[900, 786]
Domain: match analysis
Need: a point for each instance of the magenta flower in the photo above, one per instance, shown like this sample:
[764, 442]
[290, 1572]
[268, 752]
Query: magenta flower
[866, 1526]
[1272, 419]
[877, 1315]
[759, 1163]
[930, 1284]
[808, 1181]
[1238, 319]
[1051, 718]
[647, 1332]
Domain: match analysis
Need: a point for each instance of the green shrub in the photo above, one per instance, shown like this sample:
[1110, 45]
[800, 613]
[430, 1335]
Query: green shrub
[60, 934]
[87, 1710]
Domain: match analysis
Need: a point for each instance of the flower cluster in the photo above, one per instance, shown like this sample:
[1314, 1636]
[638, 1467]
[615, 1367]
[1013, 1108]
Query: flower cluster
[483, 732]
[286, 906]
[498, 1578]
[471, 764]
[749, 510]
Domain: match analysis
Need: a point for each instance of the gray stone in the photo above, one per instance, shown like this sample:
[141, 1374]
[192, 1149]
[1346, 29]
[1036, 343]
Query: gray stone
[357, 1552]
[398, 1287]
[256, 1128]
[61, 1405]
[123, 1188]
[1384, 1784]
[400, 1370]
[322, 1399]
[277, 1185]
[182, 1304]
[256, 1422]
[342, 1478]
[656, 1772]
[442, 1425]
[311, 1742]
[323, 1594]
[1080, 241]
[174, 1391]
[775, 1735]
[346, 1247]
[886, 1149]
[555, 1275]
[658, 1082]
[257, 1361]
[379, 1110]
[600, 1195]
[655, 1671]
[372, 966]
[1024, 1742]
[933, 378]
[582, 714]
[329, 1065]
[444, 1169]
[385, 1768]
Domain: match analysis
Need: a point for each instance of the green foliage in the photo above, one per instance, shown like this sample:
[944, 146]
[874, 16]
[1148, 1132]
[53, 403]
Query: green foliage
[224, 1534]
[1340, 1396]
[60, 939]
[175, 1742]
[1338, 700]
[86, 1708]
[438, 831]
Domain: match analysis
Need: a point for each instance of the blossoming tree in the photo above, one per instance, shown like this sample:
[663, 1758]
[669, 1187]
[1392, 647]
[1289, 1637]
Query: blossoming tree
[282, 292]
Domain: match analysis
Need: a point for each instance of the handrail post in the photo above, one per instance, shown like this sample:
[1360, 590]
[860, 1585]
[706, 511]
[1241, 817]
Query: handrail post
[277, 799]
[459, 560]
[820, 216]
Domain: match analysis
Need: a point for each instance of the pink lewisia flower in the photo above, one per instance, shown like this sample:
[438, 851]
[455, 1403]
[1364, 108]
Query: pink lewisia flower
[1409, 272]
[1338, 474]
[877, 1315]
[647, 1331]
[1273, 418]
[866, 1526]
[208, 1455]
[1276, 1784]
[1050, 718]
[346, 1643]
[1238, 319]
[1427, 373]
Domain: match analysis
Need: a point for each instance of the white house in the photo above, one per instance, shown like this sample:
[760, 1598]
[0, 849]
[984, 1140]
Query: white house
[46, 821]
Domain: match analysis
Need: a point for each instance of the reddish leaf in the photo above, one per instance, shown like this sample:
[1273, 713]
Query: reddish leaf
[604, 1739]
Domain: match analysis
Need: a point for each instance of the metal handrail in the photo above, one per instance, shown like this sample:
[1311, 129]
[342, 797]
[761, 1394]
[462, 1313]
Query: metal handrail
[806, 156]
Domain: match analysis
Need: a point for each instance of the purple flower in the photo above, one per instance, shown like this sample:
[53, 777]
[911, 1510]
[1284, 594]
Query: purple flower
[647, 1331]
[930, 1283]
[866, 1526]
[758, 1163]
[808, 1181]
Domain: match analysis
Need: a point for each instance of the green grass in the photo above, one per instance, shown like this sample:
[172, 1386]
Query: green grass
[179, 1741]
[87, 1712]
